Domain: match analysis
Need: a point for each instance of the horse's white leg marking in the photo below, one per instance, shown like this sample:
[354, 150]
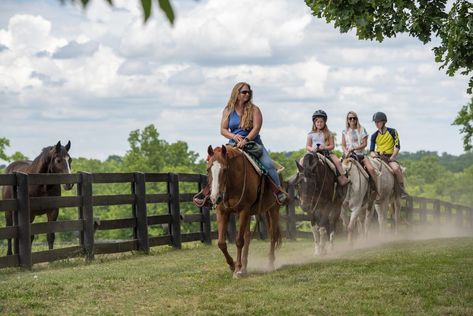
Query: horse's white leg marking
[215, 169]
[315, 232]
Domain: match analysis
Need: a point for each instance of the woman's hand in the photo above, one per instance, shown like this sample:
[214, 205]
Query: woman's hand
[242, 142]
[237, 138]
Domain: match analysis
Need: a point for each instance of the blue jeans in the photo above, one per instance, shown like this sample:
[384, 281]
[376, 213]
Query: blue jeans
[267, 162]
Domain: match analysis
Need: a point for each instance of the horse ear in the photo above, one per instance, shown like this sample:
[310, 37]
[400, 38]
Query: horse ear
[58, 146]
[210, 151]
[299, 167]
[68, 146]
[224, 151]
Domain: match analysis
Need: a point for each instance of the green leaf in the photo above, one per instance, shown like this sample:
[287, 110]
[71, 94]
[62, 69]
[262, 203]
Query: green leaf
[146, 4]
[166, 7]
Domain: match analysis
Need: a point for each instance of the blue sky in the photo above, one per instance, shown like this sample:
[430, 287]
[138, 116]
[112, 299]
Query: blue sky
[93, 76]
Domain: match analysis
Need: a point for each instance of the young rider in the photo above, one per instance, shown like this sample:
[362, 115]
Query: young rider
[385, 144]
[320, 139]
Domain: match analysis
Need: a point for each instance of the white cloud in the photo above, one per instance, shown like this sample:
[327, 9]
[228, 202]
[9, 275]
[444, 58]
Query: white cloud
[94, 76]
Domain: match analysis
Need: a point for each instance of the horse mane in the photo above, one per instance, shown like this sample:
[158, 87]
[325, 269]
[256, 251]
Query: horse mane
[41, 159]
[232, 151]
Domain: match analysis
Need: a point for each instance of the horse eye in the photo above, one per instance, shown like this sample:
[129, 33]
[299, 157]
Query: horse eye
[58, 160]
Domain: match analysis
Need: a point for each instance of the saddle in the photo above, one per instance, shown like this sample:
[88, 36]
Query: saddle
[359, 167]
[382, 162]
[259, 168]
[328, 162]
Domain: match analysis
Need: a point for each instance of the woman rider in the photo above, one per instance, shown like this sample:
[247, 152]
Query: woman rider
[241, 123]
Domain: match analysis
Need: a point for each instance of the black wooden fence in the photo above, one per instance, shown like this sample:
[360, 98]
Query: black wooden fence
[416, 211]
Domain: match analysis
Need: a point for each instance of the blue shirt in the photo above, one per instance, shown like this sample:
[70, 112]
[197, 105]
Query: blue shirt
[234, 126]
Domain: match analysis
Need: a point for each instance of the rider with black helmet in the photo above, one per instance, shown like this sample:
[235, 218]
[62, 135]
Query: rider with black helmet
[385, 144]
[320, 140]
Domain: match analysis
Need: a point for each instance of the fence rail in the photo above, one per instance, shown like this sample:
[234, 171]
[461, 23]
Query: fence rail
[415, 210]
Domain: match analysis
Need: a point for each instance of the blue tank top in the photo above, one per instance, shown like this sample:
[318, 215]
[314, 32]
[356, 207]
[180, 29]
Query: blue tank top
[233, 125]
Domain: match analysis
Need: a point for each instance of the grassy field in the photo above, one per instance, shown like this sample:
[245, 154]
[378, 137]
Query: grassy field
[429, 277]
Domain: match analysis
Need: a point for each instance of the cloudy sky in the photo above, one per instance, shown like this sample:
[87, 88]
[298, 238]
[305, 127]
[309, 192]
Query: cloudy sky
[93, 76]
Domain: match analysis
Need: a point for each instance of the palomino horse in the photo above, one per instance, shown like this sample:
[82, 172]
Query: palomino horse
[234, 187]
[356, 198]
[388, 196]
[315, 185]
[53, 159]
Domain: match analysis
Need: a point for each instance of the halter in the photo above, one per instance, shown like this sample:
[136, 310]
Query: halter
[225, 187]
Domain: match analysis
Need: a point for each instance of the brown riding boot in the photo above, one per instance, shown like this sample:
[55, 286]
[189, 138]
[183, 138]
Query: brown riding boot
[202, 199]
[402, 190]
[281, 196]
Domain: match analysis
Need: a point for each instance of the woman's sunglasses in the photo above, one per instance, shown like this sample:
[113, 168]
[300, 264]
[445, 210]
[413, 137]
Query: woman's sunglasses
[245, 92]
[352, 118]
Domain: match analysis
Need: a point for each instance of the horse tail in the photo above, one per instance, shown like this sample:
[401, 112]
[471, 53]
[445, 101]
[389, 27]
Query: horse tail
[274, 230]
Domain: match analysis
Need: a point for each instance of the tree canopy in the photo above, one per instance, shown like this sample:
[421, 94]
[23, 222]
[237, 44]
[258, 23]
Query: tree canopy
[422, 19]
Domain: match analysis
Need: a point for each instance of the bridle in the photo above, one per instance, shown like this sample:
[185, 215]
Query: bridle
[224, 184]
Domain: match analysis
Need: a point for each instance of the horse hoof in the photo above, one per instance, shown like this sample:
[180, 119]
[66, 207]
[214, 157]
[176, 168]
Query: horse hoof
[238, 275]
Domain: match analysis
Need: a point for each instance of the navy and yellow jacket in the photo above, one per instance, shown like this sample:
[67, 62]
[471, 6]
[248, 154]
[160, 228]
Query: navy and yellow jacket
[385, 143]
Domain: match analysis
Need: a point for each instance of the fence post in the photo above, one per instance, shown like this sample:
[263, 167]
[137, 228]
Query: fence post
[86, 213]
[139, 212]
[459, 215]
[205, 227]
[423, 212]
[24, 226]
[437, 211]
[291, 213]
[174, 210]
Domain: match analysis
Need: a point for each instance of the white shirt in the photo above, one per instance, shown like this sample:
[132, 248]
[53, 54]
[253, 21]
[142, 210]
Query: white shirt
[317, 138]
[354, 138]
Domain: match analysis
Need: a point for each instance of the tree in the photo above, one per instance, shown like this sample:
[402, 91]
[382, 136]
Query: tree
[423, 19]
[465, 119]
[146, 5]
[3, 144]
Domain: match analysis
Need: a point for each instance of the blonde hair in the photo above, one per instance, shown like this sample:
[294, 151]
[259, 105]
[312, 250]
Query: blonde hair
[325, 130]
[246, 121]
[358, 125]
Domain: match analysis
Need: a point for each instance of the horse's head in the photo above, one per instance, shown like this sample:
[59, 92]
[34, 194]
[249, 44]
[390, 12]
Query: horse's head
[59, 161]
[216, 171]
[306, 181]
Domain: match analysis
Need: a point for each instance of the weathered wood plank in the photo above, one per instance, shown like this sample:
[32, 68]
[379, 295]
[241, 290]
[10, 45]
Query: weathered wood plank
[119, 199]
[116, 223]
[9, 261]
[48, 202]
[159, 219]
[191, 237]
[53, 178]
[8, 205]
[7, 179]
[156, 177]
[56, 227]
[160, 241]
[157, 198]
[112, 177]
[56, 254]
[114, 247]
[186, 197]
[8, 232]
[188, 177]
[191, 218]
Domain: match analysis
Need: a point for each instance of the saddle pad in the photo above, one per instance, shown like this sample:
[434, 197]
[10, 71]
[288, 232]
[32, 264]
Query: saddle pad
[257, 164]
[328, 162]
[384, 164]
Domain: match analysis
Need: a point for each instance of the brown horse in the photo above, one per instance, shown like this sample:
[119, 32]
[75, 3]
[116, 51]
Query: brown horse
[53, 159]
[235, 188]
[315, 186]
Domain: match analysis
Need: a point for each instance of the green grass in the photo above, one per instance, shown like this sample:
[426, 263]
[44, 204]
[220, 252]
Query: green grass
[430, 277]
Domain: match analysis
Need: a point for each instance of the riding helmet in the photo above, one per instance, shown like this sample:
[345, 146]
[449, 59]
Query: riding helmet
[319, 113]
[380, 116]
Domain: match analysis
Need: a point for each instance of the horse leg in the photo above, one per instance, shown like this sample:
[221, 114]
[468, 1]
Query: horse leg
[9, 222]
[52, 216]
[380, 211]
[222, 222]
[244, 219]
[351, 226]
[275, 233]
[397, 216]
[315, 232]
[246, 247]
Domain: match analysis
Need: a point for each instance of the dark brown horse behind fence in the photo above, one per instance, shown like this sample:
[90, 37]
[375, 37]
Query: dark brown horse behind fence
[53, 159]
[235, 188]
[316, 187]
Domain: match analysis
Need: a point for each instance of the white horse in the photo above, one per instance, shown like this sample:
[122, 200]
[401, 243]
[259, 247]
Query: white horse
[357, 197]
[385, 186]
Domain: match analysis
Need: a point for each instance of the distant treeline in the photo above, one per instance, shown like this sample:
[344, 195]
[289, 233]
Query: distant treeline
[445, 177]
